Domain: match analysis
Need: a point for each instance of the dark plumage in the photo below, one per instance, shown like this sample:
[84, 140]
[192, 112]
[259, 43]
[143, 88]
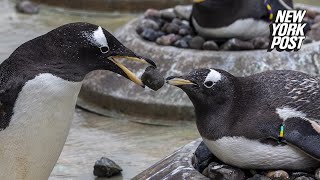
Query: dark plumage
[252, 109]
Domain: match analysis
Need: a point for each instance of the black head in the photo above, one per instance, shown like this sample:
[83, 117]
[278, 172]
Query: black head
[206, 87]
[73, 50]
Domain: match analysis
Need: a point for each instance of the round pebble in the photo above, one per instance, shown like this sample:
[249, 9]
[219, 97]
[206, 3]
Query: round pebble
[168, 14]
[152, 13]
[317, 174]
[167, 39]
[150, 34]
[196, 42]
[235, 44]
[210, 45]
[278, 175]
[152, 78]
[148, 23]
[27, 7]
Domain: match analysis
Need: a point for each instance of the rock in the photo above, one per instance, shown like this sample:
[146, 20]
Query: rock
[152, 13]
[106, 168]
[176, 21]
[237, 44]
[314, 34]
[168, 14]
[196, 42]
[184, 32]
[183, 12]
[259, 177]
[304, 178]
[148, 23]
[167, 39]
[170, 28]
[225, 172]
[311, 14]
[317, 174]
[203, 157]
[261, 42]
[210, 45]
[27, 7]
[152, 78]
[317, 19]
[278, 175]
[150, 34]
[182, 43]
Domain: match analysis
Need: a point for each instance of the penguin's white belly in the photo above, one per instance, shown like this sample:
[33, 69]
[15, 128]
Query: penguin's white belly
[250, 154]
[33, 141]
[242, 28]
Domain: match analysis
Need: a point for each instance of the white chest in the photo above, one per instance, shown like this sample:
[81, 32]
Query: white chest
[32, 143]
[245, 153]
[243, 29]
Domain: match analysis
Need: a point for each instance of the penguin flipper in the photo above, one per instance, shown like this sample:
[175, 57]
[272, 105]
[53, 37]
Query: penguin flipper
[304, 134]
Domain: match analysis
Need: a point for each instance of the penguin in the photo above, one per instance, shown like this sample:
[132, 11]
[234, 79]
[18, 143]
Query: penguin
[39, 85]
[242, 19]
[269, 120]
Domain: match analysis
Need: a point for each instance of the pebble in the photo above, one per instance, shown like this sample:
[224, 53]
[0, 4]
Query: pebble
[237, 44]
[150, 34]
[225, 172]
[170, 28]
[311, 14]
[259, 177]
[148, 23]
[168, 14]
[278, 175]
[167, 39]
[152, 78]
[304, 178]
[314, 34]
[27, 7]
[203, 157]
[182, 43]
[184, 32]
[183, 12]
[152, 13]
[106, 168]
[197, 42]
[317, 174]
[260, 42]
[210, 45]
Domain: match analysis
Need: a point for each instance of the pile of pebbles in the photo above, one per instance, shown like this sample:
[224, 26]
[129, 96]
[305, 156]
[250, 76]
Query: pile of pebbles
[170, 27]
[210, 166]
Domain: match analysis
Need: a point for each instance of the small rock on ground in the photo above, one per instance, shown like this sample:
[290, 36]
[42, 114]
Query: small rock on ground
[196, 42]
[225, 172]
[27, 7]
[259, 177]
[317, 174]
[106, 168]
[235, 44]
[278, 175]
[210, 45]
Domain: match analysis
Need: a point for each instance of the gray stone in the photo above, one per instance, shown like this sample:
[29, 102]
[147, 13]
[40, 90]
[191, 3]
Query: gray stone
[182, 43]
[167, 39]
[106, 168]
[152, 78]
[210, 45]
[148, 23]
[261, 42]
[170, 28]
[175, 166]
[317, 174]
[184, 32]
[278, 175]
[196, 42]
[203, 157]
[27, 7]
[259, 177]
[152, 13]
[314, 34]
[304, 178]
[183, 12]
[168, 14]
[150, 34]
[235, 44]
[225, 172]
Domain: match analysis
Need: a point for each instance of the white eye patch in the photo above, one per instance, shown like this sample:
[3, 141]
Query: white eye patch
[212, 78]
[97, 38]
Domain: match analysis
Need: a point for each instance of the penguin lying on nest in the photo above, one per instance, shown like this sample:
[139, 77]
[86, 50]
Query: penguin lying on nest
[39, 86]
[243, 19]
[269, 120]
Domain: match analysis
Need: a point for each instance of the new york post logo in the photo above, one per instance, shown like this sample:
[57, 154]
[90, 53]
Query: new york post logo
[287, 31]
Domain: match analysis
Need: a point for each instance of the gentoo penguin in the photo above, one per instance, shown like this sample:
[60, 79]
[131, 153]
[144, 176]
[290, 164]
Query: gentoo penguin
[269, 120]
[39, 85]
[243, 19]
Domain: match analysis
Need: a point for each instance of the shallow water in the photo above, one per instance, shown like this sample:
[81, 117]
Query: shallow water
[133, 146]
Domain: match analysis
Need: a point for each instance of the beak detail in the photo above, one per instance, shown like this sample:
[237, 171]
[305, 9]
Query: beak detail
[130, 74]
[136, 59]
[179, 82]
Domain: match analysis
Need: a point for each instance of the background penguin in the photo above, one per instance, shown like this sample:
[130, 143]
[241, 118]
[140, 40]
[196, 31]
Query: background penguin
[243, 19]
[39, 84]
[269, 120]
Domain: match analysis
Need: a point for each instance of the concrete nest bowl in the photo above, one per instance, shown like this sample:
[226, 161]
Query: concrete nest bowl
[102, 89]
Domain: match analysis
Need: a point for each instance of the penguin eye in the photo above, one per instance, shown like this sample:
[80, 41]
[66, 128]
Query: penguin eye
[104, 49]
[208, 84]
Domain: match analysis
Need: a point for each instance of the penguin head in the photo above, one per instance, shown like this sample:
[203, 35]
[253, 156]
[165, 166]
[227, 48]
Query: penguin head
[206, 87]
[78, 48]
